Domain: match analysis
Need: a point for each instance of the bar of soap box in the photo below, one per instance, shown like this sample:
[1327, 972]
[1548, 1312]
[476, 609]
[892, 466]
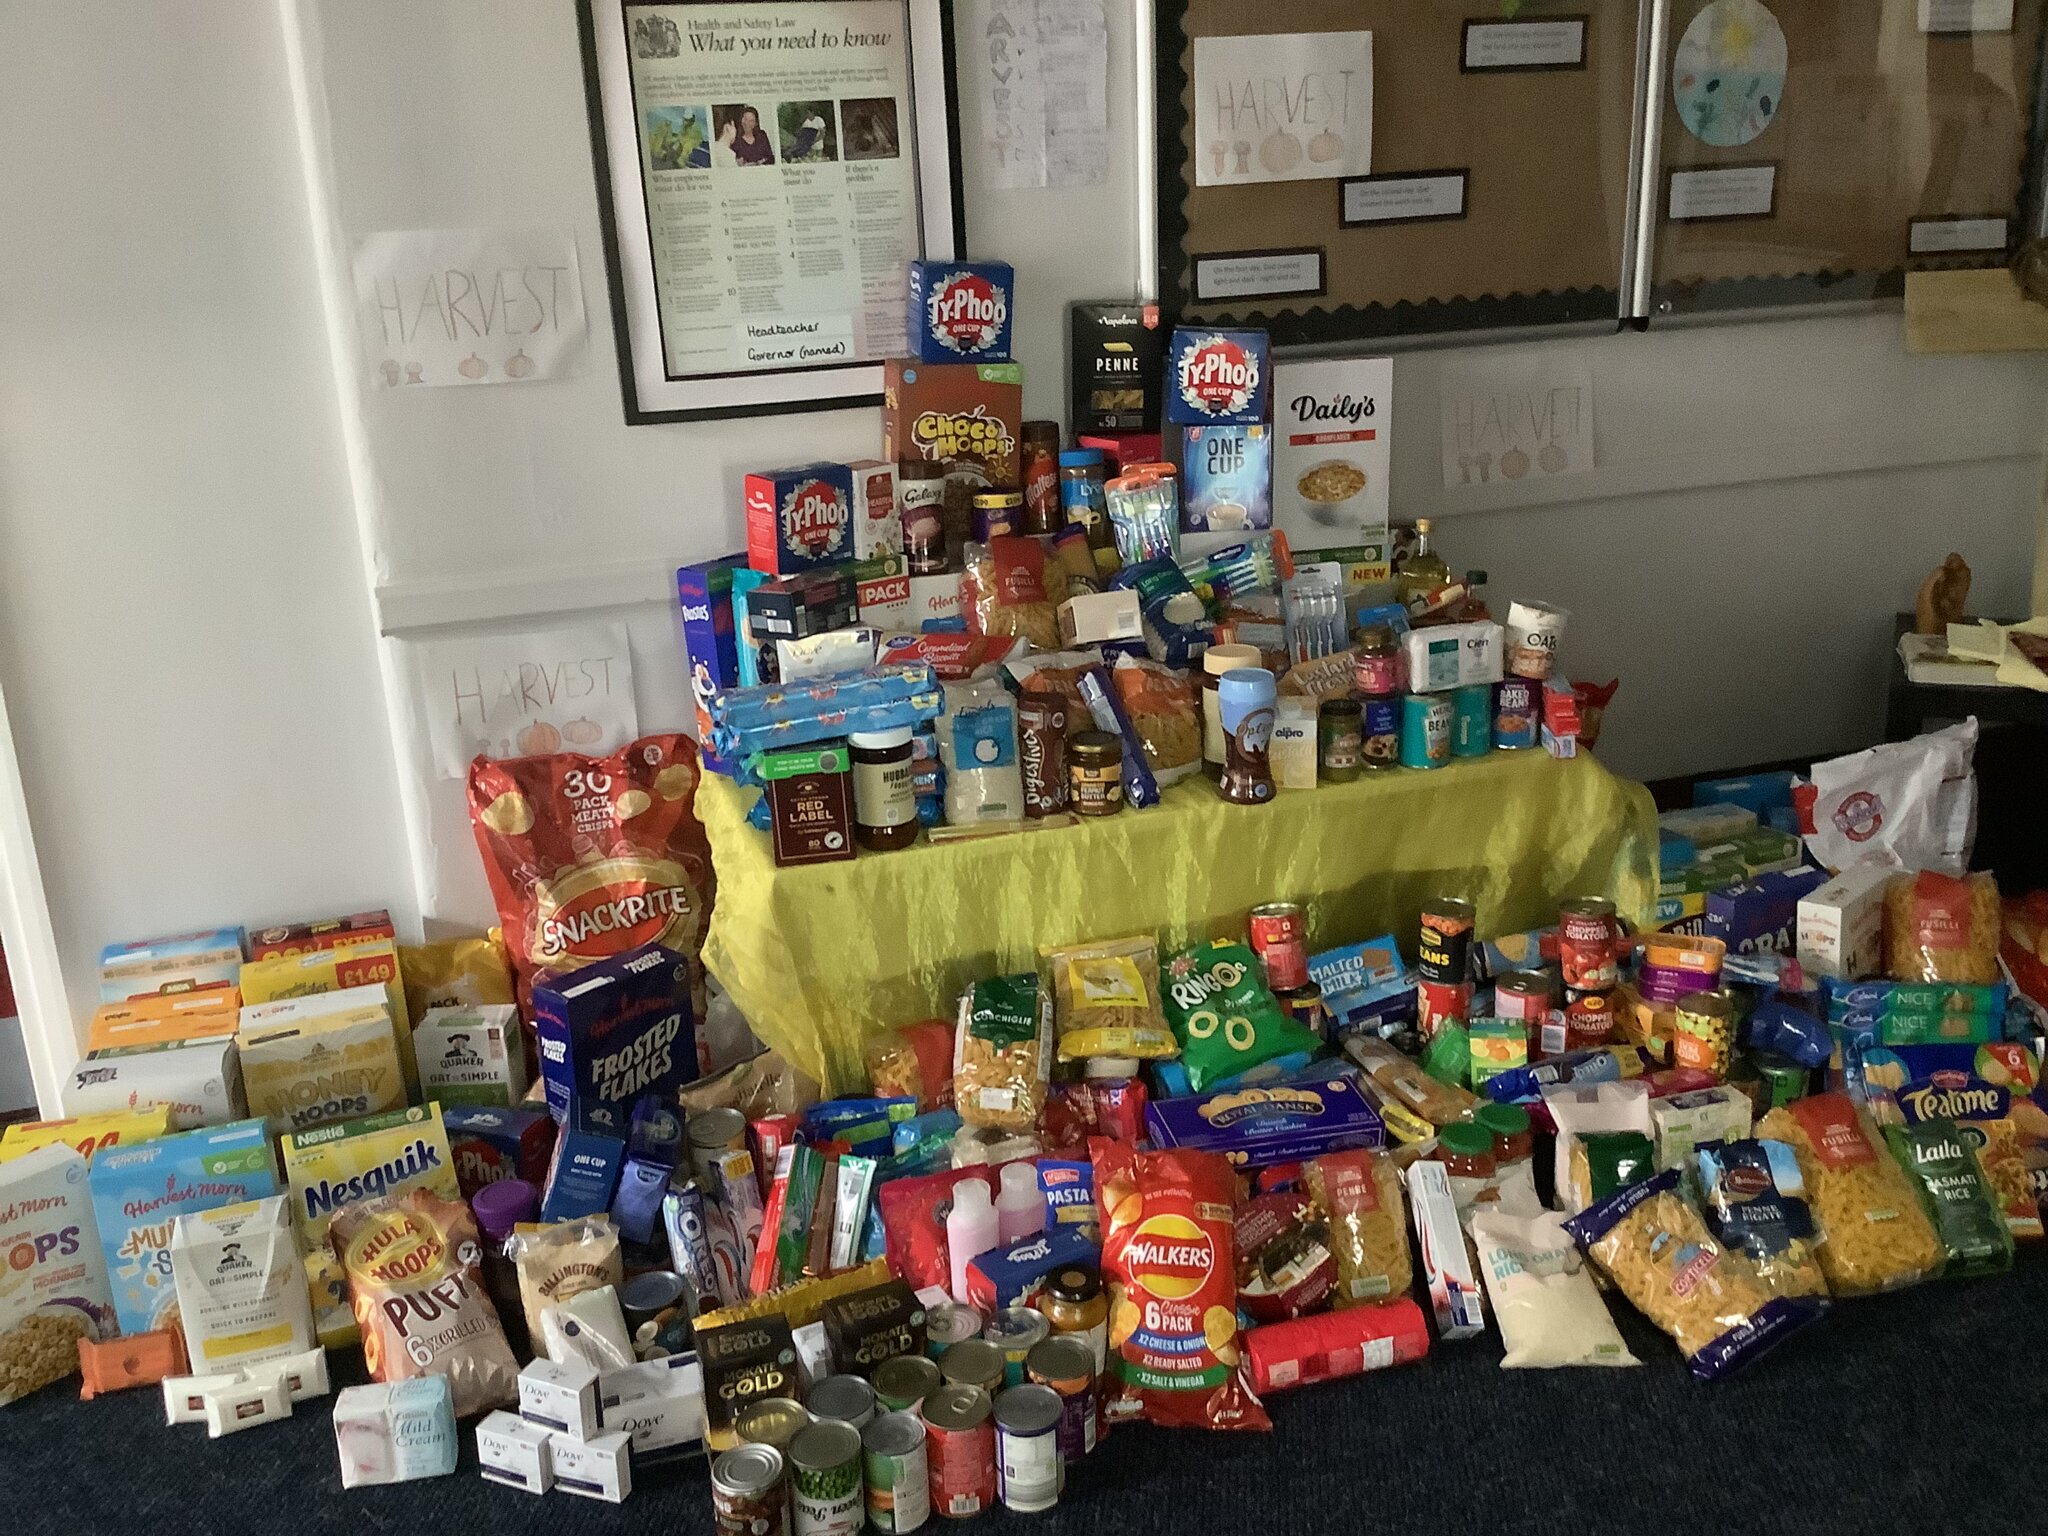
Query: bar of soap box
[395, 1432]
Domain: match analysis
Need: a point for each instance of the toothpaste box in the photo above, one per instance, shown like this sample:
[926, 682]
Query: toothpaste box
[490, 1144]
[1441, 1254]
[613, 1031]
[1760, 915]
[704, 594]
[960, 311]
[1218, 377]
[1840, 926]
[181, 962]
[1278, 1123]
[139, 1192]
[800, 518]
[1010, 1277]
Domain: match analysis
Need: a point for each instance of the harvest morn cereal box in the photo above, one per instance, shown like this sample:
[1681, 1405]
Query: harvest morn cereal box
[53, 1285]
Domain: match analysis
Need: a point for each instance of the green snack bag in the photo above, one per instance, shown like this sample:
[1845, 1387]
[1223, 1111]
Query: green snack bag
[1448, 1056]
[1226, 1020]
[1954, 1194]
[1602, 1162]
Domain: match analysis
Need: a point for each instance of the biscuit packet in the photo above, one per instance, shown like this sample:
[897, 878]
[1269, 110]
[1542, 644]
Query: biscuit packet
[563, 1260]
[1169, 1254]
[1105, 999]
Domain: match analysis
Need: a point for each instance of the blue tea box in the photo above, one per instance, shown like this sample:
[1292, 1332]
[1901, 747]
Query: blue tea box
[1758, 792]
[704, 592]
[960, 311]
[583, 1177]
[1760, 914]
[1279, 1123]
[1226, 476]
[1218, 378]
[800, 518]
[613, 1031]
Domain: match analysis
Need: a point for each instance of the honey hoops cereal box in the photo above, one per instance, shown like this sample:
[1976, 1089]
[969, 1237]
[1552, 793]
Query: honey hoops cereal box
[316, 1071]
[53, 1285]
[1169, 1253]
[372, 962]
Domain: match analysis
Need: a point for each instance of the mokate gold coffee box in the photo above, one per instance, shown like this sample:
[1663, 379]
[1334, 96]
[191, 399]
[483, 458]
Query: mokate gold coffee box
[873, 1325]
[742, 1363]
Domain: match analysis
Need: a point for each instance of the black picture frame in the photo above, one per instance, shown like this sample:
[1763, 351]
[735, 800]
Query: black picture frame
[935, 131]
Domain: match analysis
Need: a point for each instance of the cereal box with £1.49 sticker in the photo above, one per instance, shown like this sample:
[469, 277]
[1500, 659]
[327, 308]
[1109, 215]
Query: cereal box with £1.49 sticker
[53, 1283]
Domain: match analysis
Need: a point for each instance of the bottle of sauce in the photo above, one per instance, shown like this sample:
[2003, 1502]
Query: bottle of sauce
[1247, 696]
[1039, 463]
[884, 799]
[1216, 661]
[1095, 767]
[1074, 1302]
[921, 507]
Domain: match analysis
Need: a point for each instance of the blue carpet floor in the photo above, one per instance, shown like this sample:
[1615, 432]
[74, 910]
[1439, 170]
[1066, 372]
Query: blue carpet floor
[1917, 1412]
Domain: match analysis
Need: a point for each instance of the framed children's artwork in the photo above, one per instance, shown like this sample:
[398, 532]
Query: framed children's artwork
[765, 168]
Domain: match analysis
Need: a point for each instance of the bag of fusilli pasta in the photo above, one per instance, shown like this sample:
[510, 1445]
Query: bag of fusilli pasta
[1873, 1234]
[1654, 1245]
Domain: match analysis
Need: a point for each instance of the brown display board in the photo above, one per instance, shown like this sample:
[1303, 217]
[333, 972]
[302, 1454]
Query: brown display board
[1543, 149]
[1880, 126]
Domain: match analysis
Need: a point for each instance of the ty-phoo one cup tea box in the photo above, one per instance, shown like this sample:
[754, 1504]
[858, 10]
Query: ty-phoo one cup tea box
[1332, 458]
[1218, 378]
[613, 1031]
[960, 311]
[799, 519]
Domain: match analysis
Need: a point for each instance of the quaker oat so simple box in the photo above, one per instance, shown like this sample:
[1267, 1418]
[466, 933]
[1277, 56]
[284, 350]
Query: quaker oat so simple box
[613, 1031]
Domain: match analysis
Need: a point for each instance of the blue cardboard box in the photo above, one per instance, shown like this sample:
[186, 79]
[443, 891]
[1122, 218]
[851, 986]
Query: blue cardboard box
[490, 1143]
[613, 1031]
[583, 1176]
[705, 595]
[960, 311]
[1259, 1127]
[1218, 378]
[1761, 914]
[1758, 792]
[1226, 476]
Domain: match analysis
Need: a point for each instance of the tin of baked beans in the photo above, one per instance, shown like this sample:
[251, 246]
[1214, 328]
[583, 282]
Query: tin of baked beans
[960, 1450]
[1472, 720]
[1029, 1470]
[771, 1421]
[974, 1363]
[1588, 938]
[825, 1480]
[1439, 1004]
[1305, 1004]
[1426, 730]
[1703, 1032]
[1588, 1017]
[903, 1381]
[1514, 714]
[1523, 996]
[1279, 934]
[1443, 946]
[848, 1399]
[1067, 1365]
[749, 1496]
[1015, 1331]
[947, 1324]
[897, 1473]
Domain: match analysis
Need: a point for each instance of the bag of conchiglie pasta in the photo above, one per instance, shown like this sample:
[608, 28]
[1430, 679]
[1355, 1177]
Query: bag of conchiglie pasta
[1168, 1251]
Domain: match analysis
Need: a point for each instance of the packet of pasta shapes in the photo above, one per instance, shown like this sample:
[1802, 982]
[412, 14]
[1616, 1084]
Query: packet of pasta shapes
[1169, 1253]
[1654, 1245]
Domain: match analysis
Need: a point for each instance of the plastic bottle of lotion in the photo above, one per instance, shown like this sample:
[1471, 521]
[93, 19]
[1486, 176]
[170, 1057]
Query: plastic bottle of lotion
[971, 1229]
[1020, 1208]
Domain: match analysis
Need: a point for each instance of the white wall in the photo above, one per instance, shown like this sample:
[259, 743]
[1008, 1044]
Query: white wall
[185, 637]
[188, 643]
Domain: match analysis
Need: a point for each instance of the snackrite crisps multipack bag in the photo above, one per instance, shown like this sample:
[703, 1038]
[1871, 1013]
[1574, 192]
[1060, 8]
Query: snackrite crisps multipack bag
[589, 857]
[1168, 1252]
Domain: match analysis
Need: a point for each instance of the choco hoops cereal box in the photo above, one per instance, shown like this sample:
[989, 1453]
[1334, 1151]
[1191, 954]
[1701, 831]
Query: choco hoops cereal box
[589, 857]
[1169, 1252]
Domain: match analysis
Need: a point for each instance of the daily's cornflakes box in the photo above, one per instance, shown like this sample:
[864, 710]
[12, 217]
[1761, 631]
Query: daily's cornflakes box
[170, 1019]
[138, 1193]
[327, 1167]
[87, 1134]
[53, 1285]
[179, 962]
[356, 964]
[320, 1070]
[199, 1082]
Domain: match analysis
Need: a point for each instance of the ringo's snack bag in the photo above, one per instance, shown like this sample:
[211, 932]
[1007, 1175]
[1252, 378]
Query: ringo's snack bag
[1168, 1244]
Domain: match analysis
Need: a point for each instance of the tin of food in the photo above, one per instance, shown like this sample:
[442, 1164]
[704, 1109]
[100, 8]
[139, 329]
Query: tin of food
[646, 1296]
[772, 1421]
[749, 1495]
[948, 1323]
[904, 1382]
[1444, 947]
[1472, 720]
[1029, 1471]
[1588, 943]
[712, 1133]
[1279, 937]
[1514, 714]
[974, 1363]
[897, 1475]
[1426, 720]
[960, 1450]
[825, 1479]
[1014, 1331]
[846, 1398]
[1067, 1365]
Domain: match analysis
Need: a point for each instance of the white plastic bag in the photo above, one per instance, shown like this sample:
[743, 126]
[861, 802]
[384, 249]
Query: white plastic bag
[1903, 804]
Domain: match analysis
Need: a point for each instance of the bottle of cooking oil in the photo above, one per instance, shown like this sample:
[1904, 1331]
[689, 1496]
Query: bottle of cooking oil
[1423, 572]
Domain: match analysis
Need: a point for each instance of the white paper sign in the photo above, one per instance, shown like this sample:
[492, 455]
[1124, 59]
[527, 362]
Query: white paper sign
[1512, 418]
[1738, 191]
[1045, 87]
[1401, 199]
[1292, 106]
[1932, 235]
[1258, 275]
[468, 306]
[526, 693]
[1525, 44]
[1966, 15]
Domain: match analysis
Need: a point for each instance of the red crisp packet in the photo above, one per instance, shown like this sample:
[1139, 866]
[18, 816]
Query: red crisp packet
[1076, 1111]
[914, 1215]
[1284, 1264]
[1593, 699]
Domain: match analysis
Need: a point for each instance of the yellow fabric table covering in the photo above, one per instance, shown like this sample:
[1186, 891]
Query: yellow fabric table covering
[821, 956]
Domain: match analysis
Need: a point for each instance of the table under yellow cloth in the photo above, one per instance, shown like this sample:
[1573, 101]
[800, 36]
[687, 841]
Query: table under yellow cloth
[819, 957]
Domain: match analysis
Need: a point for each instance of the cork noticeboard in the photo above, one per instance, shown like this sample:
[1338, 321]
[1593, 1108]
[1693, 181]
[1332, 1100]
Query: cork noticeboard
[1497, 193]
[1890, 149]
